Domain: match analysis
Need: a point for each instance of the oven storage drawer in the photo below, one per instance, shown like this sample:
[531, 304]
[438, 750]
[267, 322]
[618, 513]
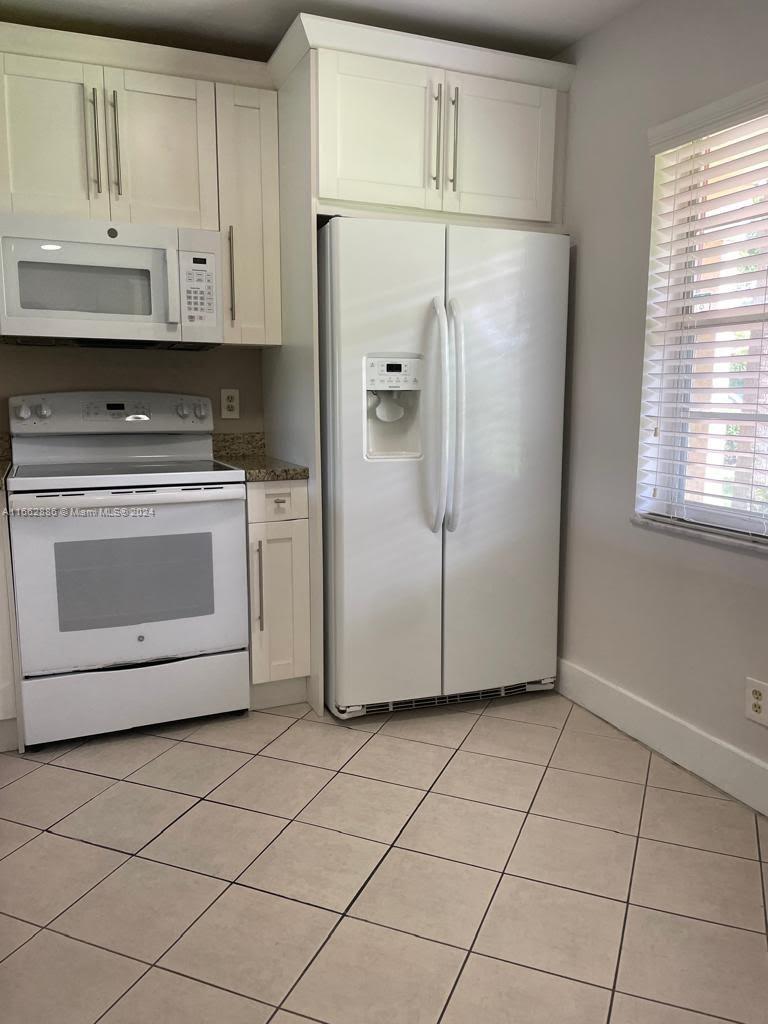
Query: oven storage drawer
[61, 707]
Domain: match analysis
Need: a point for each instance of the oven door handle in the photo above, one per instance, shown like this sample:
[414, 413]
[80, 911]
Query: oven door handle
[40, 504]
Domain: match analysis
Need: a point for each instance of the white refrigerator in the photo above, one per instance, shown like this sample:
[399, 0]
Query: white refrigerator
[442, 356]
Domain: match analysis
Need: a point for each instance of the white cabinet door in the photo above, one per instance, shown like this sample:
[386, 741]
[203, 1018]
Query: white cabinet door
[279, 565]
[52, 138]
[162, 149]
[379, 130]
[246, 123]
[257, 542]
[499, 157]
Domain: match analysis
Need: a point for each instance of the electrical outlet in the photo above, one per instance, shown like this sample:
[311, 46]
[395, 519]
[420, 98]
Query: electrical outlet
[230, 404]
[757, 701]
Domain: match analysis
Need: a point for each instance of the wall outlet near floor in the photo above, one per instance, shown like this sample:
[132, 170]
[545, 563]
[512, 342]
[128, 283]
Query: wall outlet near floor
[230, 404]
[757, 701]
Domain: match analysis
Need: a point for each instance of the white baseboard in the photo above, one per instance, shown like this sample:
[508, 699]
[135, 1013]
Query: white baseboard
[274, 695]
[740, 774]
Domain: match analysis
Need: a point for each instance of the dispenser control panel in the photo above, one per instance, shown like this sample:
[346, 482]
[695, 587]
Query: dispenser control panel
[393, 373]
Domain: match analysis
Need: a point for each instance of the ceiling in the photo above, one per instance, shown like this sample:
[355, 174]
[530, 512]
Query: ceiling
[252, 28]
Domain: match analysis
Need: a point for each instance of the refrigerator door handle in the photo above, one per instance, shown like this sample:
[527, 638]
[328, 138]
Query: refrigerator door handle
[456, 321]
[445, 415]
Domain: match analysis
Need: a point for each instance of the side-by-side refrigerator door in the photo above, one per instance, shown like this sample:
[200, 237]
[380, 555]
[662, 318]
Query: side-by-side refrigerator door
[382, 339]
[507, 297]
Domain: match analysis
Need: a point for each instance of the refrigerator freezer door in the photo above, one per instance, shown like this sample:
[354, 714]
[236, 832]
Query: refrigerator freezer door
[383, 561]
[501, 562]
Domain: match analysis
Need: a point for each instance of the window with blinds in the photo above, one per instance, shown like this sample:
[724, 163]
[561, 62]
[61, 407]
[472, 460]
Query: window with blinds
[704, 421]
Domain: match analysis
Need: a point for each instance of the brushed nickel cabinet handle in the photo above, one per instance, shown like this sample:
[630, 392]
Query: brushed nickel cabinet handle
[260, 551]
[455, 103]
[232, 307]
[118, 161]
[96, 143]
[438, 157]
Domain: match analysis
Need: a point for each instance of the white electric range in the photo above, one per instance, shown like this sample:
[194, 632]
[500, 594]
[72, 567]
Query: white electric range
[128, 545]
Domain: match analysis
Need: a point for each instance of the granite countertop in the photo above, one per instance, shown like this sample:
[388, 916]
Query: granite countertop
[245, 451]
[260, 467]
[248, 451]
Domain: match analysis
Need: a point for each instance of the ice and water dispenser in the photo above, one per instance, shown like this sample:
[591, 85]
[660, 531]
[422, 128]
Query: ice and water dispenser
[393, 406]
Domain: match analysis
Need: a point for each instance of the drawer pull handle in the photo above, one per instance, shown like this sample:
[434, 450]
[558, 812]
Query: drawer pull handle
[280, 501]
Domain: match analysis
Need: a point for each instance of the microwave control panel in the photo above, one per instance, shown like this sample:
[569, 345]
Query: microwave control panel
[197, 271]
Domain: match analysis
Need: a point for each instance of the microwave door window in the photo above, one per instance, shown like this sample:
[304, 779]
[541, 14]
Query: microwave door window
[98, 290]
[126, 581]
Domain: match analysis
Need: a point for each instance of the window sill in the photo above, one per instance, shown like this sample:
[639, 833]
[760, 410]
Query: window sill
[707, 534]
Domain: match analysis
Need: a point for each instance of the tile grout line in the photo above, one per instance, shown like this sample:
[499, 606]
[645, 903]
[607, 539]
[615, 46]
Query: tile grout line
[229, 884]
[391, 845]
[470, 950]
[131, 856]
[763, 867]
[629, 894]
[685, 1009]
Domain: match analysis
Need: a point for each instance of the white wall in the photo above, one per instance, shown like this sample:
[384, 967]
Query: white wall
[28, 369]
[676, 622]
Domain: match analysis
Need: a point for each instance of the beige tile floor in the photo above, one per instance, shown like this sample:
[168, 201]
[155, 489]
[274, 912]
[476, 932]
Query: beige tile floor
[517, 861]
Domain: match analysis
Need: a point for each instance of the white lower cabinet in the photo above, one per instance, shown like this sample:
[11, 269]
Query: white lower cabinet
[278, 552]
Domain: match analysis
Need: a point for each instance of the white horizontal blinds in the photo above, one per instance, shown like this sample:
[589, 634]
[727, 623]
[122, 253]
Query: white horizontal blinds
[704, 420]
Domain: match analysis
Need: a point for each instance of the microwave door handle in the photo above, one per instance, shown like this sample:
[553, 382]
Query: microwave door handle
[174, 285]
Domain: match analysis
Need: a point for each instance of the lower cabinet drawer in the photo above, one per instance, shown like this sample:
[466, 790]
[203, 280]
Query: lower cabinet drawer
[279, 593]
[277, 501]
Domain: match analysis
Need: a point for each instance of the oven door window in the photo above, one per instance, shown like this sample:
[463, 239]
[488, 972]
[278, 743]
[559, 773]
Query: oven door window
[101, 584]
[80, 288]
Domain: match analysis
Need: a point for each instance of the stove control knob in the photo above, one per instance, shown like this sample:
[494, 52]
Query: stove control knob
[200, 410]
[183, 410]
[22, 412]
[44, 411]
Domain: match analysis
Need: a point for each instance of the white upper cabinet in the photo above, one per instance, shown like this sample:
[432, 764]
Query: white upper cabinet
[401, 134]
[379, 130]
[246, 121]
[162, 149]
[52, 138]
[500, 148]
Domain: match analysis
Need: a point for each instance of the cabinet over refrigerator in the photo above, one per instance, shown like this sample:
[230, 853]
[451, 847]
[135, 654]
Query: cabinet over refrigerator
[443, 352]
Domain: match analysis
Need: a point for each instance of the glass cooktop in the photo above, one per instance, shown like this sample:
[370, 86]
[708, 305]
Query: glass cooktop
[134, 473]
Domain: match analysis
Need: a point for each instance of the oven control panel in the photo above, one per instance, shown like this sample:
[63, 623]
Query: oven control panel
[198, 287]
[110, 412]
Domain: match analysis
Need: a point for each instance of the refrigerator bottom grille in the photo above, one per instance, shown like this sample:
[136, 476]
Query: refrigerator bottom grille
[453, 698]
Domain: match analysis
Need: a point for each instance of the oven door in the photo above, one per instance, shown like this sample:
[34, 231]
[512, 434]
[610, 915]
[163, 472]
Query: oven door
[76, 281]
[106, 578]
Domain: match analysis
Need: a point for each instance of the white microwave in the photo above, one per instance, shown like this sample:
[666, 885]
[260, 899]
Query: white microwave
[94, 279]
